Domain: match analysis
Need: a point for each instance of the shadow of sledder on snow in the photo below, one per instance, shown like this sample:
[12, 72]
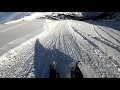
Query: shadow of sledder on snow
[43, 57]
[37, 50]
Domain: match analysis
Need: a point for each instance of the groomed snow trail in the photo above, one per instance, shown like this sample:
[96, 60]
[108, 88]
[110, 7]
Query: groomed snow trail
[63, 42]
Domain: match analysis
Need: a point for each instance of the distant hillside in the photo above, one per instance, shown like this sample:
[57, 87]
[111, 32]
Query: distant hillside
[9, 16]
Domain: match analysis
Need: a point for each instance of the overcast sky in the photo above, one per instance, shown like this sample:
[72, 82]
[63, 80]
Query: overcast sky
[8, 16]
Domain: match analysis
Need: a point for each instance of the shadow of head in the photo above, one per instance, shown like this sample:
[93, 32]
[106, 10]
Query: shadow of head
[43, 57]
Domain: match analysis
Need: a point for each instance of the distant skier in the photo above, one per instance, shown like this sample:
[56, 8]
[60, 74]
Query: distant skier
[77, 72]
[52, 73]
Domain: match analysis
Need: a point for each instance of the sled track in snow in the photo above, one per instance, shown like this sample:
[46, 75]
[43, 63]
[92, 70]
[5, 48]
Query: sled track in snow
[104, 65]
[112, 31]
[17, 65]
[107, 42]
[108, 34]
[65, 45]
[26, 68]
[17, 68]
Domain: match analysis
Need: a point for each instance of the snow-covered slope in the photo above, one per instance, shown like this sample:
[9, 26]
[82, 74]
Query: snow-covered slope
[36, 15]
[96, 44]
[63, 15]
[10, 16]
[26, 18]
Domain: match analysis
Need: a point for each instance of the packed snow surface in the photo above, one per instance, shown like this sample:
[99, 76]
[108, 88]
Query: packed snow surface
[93, 43]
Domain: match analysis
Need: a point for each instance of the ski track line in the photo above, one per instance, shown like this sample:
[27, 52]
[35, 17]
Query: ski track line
[14, 67]
[52, 44]
[112, 31]
[69, 43]
[13, 70]
[103, 37]
[83, 55]
[70, 39]
[25, 68]
[67, 47]
[81, 51]
[74, 43]
[108, 34]
[111, 44]
[63, 50]
[92, 61]
[98, 39]
[48, 43]
[66, 41]
[88, 61]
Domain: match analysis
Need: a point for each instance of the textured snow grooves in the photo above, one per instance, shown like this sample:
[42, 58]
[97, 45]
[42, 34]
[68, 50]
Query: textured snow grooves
[64, 44]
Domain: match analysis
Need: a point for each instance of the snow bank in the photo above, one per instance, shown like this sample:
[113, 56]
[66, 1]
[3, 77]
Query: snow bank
[42, 14]
[28, 18]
